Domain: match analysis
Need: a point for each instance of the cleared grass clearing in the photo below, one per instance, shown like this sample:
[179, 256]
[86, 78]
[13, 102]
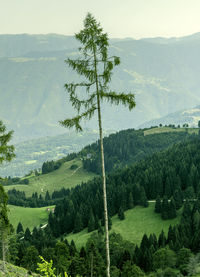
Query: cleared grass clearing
[29, 217]
[56, 180]
[159, 130]
[138, 221]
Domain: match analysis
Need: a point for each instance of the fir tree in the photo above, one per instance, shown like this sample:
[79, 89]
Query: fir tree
[27, 234]
[19, 228]
[78, 225]
[172, 209]
[165, 208]
[130, 201]
[91, 223]
[143, 198]
[121, 213]
[96, 67]
[178, 198]
[158, 204]
[162, 239]
[47, 196]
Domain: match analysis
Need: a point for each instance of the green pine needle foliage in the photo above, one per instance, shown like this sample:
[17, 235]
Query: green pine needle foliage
[95, 67]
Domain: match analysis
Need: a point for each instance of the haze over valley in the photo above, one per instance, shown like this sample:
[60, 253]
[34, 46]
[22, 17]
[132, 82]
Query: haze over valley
[163, 73]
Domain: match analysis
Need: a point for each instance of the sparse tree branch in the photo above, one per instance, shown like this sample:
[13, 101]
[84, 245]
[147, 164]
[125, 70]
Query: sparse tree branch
[122, 98]
[75, 121]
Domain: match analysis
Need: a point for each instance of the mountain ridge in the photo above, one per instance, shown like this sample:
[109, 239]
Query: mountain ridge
[164, 78]
[189, 116]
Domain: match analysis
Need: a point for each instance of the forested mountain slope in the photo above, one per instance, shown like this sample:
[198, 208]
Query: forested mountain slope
[173, 172]
[121, 149]
[128, 146]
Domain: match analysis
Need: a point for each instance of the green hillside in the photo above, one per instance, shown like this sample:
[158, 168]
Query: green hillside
[173, 172]
[29, 217]
[138, 221]
[56, 180]
[121, 149]
[128, 146]
[160, 130]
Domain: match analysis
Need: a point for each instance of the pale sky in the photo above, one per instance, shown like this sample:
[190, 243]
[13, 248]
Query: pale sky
[119, 18]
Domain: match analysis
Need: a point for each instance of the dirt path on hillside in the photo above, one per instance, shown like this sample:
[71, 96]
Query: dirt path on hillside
[75, 171]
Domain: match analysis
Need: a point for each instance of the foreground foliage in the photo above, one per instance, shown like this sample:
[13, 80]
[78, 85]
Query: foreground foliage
[168, 253]
[46, 269]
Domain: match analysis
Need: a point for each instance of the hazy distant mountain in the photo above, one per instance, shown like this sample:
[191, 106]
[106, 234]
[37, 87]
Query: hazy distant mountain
[160, 40]
[20, 45]
[164, 77]
[32, 154]
[190, 116]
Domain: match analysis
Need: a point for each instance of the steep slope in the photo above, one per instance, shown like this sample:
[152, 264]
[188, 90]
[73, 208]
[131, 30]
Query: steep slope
[129, 146]
[132, 228]
[173, 172]
[64, 177]
[121, 149]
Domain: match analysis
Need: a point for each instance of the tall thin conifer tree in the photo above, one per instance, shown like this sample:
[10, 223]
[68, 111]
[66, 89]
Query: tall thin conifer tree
[95, 67]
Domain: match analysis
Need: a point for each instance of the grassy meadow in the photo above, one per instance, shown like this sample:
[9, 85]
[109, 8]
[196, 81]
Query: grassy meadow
[138, 221]
[56, 180]
[29, 217]
[164, 129]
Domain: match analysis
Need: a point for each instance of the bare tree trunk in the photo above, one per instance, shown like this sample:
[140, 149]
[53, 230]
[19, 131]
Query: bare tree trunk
[104, 189]
[103, 167]
[92, 265]
[3, 245]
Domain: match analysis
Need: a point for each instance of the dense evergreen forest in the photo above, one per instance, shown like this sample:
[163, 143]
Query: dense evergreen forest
[128, 146]
[121, 149]
[170, 176]
[173, 172]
